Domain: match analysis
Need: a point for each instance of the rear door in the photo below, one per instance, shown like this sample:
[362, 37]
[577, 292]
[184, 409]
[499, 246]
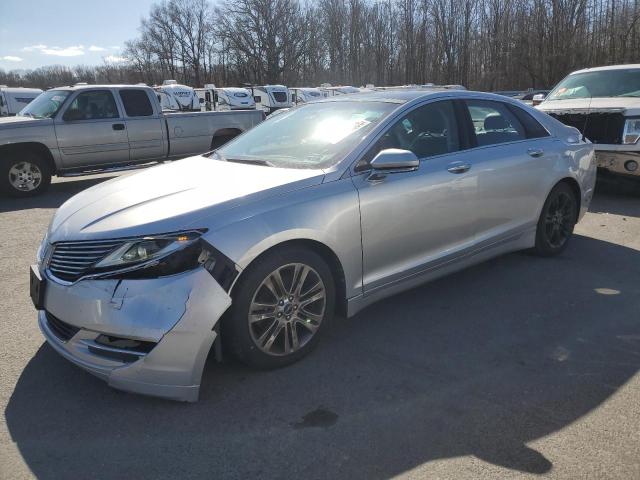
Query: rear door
[512, 156]
[145, 125]
[92, 131]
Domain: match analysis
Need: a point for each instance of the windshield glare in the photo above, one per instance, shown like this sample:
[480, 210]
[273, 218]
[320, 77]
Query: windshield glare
[45, 105]
[605, 83]
[315, 135]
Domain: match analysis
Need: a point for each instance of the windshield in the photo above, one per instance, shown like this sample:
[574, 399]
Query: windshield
[45, 105]
[315, 135]
[605, 83]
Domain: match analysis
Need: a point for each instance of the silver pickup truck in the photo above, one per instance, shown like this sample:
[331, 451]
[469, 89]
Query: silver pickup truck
[604, 104]
[90, 128]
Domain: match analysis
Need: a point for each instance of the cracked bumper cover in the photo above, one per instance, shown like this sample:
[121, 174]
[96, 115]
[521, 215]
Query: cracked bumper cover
[178, 313]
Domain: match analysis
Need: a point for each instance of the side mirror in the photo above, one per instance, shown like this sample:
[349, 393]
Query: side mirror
[538, 99]
[394, 159]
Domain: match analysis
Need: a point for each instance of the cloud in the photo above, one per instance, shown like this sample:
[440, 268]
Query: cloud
[11, 58]
[115, 47]
[94, 48]
[34, 47]
[74, 51]
[114, 59]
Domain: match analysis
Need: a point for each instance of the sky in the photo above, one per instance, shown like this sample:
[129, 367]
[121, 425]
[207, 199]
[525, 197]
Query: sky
[34, 33]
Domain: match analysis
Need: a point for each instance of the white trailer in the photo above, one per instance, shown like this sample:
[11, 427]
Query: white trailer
[271, 97]
[305, 94]
[177, 98]
[12, 100]
[225, 98]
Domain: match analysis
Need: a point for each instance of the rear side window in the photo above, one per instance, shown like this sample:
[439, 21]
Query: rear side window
[136, 103]
[494, 123]
[532, 127]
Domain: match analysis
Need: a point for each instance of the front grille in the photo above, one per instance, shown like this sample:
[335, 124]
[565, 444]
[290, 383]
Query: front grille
[71, 260]
[280, 97]
[601, 127]
[62, 330]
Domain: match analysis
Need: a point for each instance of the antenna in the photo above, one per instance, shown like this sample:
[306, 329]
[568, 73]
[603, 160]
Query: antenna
[586, 120]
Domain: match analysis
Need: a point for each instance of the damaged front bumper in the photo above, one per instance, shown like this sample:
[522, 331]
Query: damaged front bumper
[147, 336]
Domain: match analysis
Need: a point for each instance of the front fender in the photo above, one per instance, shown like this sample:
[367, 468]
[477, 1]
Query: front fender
[328, 213]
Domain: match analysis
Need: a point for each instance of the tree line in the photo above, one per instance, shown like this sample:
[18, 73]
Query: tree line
[482, 44]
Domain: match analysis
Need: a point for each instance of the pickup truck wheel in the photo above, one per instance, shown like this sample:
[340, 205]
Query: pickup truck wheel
[24, 174]
[282, 304]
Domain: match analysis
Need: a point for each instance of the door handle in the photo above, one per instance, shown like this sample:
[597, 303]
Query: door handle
[535, 152]
[458, 167]
[118, 126]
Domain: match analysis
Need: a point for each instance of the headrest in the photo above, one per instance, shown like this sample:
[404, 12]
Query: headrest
[495, 122]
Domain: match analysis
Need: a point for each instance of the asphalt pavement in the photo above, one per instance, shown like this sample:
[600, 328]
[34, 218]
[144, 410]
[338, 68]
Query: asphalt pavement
[520, 367]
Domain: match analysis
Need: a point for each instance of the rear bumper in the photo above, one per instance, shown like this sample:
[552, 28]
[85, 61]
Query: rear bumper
[178, 314]
[619, 162]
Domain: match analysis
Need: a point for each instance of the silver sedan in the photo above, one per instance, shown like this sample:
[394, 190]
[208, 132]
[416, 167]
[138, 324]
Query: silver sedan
[323, 209]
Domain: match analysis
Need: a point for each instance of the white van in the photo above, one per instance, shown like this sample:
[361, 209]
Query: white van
[227, 98]
[272, 97]
[12, 100]
[304, 95]
[176, 97]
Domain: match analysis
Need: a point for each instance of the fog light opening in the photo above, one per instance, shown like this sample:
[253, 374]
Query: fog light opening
[631, 165]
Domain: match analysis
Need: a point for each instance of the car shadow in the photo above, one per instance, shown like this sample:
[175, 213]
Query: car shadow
[479, 363]
[58, 193]
[618, 196]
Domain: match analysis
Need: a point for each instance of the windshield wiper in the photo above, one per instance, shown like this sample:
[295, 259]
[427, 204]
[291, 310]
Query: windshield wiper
[264, 163]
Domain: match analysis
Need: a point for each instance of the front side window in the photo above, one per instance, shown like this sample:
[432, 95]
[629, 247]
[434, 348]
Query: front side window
[93, 105]
[314, 135]
[136, 103]
[45, 105]
[493, 123]
[426, 131]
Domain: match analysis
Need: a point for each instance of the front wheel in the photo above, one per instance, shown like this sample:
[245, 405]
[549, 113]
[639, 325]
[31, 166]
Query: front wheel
[557, 220]
[282, 304]
[24, 174]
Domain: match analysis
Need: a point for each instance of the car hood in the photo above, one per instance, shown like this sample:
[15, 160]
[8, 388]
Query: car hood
[171, 197]
[627, 105]
[12, 122]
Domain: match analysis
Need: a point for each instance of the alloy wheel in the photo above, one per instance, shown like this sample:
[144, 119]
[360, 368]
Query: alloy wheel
[287, 309]
[559, 219]
[25, 176]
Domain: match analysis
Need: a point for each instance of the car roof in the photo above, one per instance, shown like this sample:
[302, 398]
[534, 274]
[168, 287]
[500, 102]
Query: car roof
[630, 66]
[410, 95]
[86, 87]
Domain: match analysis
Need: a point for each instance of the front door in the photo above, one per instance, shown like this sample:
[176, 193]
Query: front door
[414, 220]
[92, 131]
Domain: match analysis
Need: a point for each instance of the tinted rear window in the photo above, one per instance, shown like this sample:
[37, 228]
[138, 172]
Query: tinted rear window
[531, 125]
[136, 103]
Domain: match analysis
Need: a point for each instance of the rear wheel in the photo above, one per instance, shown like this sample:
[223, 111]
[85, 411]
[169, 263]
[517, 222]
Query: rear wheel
[557, 221]
[282, 304]
[24, 174]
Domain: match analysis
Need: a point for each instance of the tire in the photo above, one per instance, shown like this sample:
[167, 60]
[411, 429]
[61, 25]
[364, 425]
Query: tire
[557, 221]
[24, 174]
[257, 314]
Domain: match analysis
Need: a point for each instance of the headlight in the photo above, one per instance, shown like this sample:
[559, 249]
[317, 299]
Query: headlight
[631, 132]
[147, 249]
